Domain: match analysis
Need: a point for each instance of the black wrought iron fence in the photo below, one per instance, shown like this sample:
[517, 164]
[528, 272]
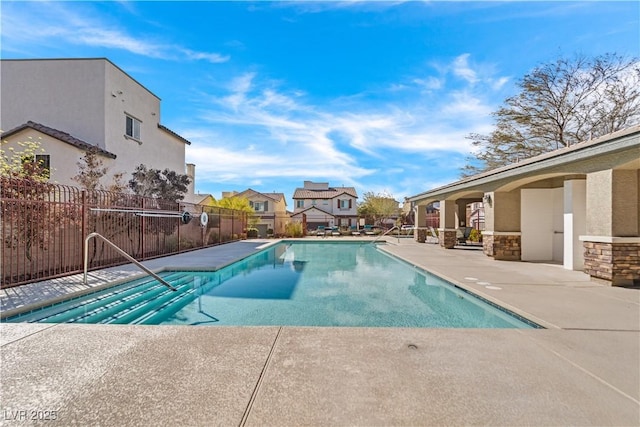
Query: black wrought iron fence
[44, 226]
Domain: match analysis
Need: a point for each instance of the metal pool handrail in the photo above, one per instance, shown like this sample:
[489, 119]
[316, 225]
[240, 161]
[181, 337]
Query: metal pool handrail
[383, 234]
[124, 254]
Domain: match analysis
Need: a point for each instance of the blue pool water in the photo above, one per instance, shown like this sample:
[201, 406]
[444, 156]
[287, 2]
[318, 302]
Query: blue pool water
[291, 283]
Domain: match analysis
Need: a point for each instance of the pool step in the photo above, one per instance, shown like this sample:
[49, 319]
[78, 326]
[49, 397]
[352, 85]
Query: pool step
[164, 312]
[132, 313]
[110, 313]
[108, 301]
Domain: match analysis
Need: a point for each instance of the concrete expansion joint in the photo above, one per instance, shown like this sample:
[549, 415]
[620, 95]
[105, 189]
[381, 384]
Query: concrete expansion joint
[256, 389]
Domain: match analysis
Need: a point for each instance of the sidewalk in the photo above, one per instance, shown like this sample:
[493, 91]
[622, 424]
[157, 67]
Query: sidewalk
[582, 370]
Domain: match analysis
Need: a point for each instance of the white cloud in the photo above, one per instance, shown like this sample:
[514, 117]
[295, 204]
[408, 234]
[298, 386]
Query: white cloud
[430, 83]
[466, 103]
[265, 132]
[462, 69]
[81, 27]
[497, 84]
[214, 58]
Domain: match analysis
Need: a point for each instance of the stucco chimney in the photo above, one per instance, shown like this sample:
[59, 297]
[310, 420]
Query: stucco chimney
[191, 173]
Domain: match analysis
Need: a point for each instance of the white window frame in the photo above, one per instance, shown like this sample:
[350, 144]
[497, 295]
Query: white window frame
[344, 203]
[136, 126]
[258, 206]
[299, 203]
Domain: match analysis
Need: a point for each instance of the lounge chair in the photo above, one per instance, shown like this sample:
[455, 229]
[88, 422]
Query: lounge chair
[368, 230]
[320, 231]
[335, 231]
[433, 234]
[462, 235]
[354, 230]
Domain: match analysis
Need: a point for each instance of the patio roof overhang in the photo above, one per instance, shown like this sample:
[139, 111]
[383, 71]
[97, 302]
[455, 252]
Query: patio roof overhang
[619, 150]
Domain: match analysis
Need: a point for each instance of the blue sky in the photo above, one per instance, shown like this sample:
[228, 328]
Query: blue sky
[375, 95]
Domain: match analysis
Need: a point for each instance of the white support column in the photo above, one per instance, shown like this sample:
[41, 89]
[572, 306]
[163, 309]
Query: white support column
[575, 223]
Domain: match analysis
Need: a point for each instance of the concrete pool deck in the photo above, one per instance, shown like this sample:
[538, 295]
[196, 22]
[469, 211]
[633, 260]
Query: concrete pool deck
[583, 370]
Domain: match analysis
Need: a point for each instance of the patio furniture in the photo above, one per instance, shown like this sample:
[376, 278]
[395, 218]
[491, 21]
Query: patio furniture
[462, 235]
[433, 234]
[354, 230]
[320, 231]
[335, 231]
[368, 230]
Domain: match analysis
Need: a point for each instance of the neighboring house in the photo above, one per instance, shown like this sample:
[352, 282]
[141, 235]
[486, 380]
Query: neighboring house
[71, 105]
[60, 151]
[318, 204]
[475, 215]
[270, 210]
[204, 199]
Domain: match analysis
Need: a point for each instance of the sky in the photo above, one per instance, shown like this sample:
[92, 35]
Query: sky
[380, 96]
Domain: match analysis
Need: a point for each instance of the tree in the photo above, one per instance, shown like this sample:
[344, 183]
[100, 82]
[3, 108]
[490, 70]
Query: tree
[560, 104]
[239, 204]
[25, 190]
[378, 207]
[91, 169]
[166, 184]
[22, 163]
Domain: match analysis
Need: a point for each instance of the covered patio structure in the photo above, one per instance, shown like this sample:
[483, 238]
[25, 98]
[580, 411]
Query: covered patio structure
[578, 206]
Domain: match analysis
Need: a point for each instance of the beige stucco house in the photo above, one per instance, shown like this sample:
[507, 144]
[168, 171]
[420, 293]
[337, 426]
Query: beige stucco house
[270, 210]
[578, 206]
[316, 203]
[70, 105]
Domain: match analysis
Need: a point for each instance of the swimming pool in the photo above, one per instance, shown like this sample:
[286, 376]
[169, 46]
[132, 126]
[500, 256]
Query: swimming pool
[291, 283]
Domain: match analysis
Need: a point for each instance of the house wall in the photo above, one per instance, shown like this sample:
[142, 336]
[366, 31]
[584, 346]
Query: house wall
[274, 217]
[64, 158]
[156, 149]
[330, 205]
[351, 212]
[88, 99]
[67, 95]
[315, 218]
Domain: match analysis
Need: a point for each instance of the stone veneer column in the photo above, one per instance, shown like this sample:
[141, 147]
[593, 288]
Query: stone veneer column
[448, 218]
[615, 260]
[506, 246]
[612, 240]
[502, 239]
[420, 234]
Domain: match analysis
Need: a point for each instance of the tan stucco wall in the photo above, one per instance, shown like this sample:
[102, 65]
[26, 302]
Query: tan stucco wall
[67, 95]
[448, 214]
[504, 212]
[626, 207]
[88, 99]
[599, 214]
[158, 150]
[64, 157]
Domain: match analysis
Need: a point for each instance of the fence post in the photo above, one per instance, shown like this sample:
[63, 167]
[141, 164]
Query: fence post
[85, 214]
[204, 229]
[142, 231]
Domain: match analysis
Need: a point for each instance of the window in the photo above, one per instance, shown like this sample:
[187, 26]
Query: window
[44, 161]
[260, 206]
[313, 202]
[132, 128]
[299, 203]
[344, 204]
